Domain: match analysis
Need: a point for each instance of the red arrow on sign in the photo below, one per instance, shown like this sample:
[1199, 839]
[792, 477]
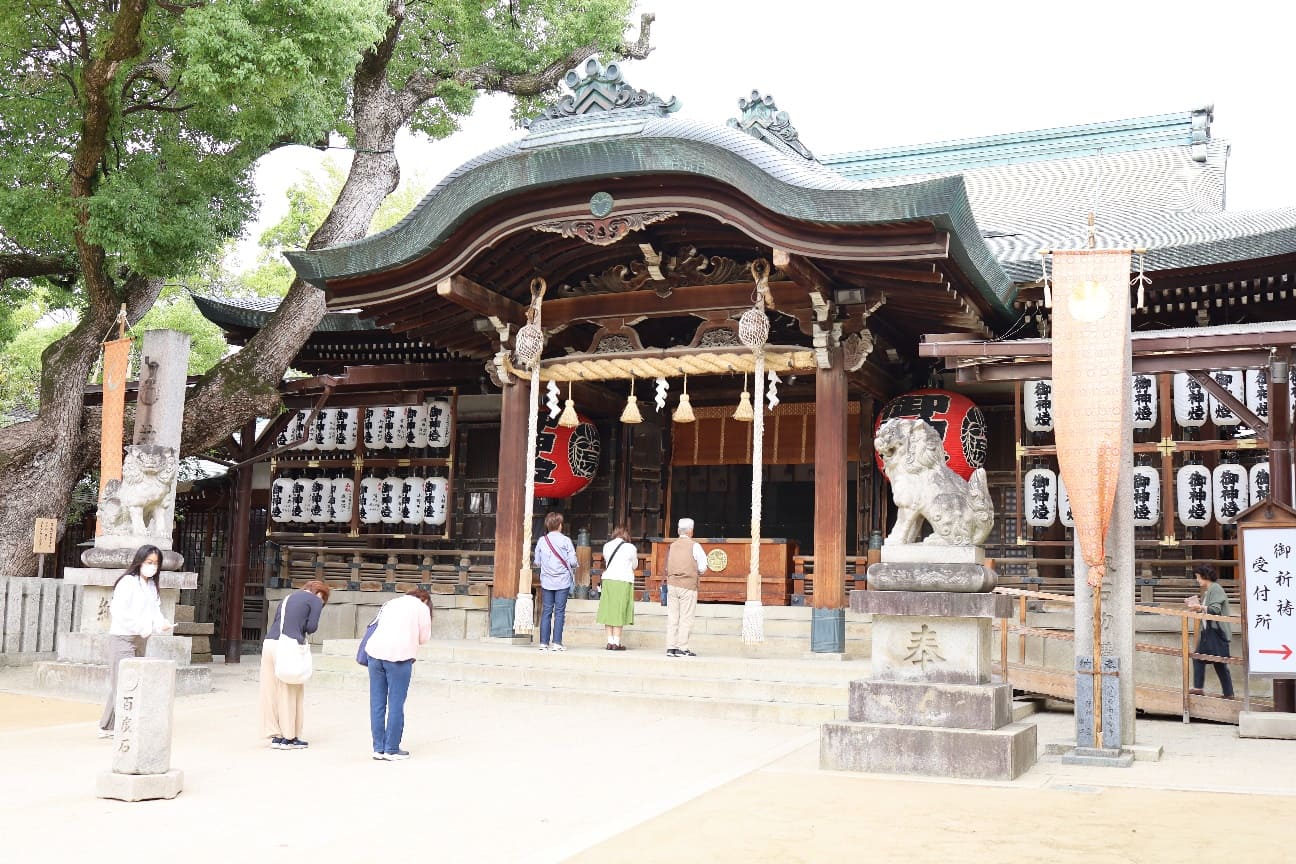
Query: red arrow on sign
[1285, 652]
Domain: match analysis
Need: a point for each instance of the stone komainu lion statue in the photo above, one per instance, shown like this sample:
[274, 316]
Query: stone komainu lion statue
[139, 504]
[924, 487]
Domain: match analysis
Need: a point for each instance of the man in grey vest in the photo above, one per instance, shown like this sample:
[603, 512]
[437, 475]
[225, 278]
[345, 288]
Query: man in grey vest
[685, 563]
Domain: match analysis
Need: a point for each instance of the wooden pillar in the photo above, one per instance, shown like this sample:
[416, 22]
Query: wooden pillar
[1280, 472]
[237, 566]
[828, 622]
[509, 506]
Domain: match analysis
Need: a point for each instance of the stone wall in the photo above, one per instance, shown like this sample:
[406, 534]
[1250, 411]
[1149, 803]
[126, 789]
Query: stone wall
[32, 614]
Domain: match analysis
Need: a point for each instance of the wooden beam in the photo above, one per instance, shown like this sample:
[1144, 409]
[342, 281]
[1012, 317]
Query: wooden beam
[1214, 388]
[1143, 365]
[831, 459]
[690, 300]
[510, 496]
[468, 294]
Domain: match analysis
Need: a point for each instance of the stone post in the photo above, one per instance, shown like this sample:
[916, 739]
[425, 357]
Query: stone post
[1118, 598]
[141, 761]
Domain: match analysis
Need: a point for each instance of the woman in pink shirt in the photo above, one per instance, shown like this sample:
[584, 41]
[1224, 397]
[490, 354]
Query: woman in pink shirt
[403, 625]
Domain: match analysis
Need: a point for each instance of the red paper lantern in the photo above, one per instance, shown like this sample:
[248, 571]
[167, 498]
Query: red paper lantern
[959, 421]
[567, 458]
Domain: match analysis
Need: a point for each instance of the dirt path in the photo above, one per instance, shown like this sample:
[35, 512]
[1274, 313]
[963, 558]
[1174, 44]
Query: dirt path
[34, 712]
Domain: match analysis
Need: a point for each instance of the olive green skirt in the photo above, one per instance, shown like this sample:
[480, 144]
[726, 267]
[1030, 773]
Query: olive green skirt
[616, 603]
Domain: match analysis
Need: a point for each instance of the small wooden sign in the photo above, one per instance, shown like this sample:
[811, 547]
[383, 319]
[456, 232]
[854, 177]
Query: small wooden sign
[46, 535]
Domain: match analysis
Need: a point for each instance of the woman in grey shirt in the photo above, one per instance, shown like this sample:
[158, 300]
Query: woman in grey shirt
[556, 557]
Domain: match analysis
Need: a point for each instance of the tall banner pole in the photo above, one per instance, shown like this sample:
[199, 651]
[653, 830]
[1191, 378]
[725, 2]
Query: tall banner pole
[116, 364]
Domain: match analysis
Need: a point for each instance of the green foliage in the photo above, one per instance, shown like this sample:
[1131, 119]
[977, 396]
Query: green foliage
[175, 310]
[209, 92]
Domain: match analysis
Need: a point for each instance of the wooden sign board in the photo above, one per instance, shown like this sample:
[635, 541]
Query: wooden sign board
[1267, 549]
[46, 535]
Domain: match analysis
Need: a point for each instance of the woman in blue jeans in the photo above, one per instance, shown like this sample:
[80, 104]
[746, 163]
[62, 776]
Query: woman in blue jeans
[556, 557]
[403, 625]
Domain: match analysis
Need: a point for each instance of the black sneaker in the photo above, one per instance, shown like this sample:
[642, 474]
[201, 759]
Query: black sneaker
[685, 653]
[397, 756]
[295, 744]
[277, 743]
[673, 652]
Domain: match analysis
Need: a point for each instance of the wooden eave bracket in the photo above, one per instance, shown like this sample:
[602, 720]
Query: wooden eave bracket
[464, 292]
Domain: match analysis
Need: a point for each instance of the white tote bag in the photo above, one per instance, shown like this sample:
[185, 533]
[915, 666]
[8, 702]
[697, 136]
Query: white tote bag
[292, 658]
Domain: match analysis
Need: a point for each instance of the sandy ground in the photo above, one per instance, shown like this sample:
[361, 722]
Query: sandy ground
[489, 782]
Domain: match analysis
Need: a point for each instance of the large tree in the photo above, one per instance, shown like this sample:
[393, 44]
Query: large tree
[128, 129]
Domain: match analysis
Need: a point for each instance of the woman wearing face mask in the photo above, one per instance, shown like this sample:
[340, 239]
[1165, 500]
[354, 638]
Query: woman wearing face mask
[136, 612]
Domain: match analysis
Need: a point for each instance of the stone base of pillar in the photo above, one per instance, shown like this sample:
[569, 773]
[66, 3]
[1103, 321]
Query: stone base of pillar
[974, 754]
[91, 680]
[1098, 758]
[828, 631]
[1266, 724]
[139, 787]
[501, 617]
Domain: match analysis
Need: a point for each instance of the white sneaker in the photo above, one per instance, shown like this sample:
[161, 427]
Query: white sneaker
[544, 647]
[106, 733]
[556, 647]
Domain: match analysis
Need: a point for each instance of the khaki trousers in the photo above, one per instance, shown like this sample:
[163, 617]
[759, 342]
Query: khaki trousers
[119, 649]
[681, 603]
[281, 704]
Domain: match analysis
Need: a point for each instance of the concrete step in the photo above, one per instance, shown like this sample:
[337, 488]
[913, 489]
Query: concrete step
[630, 662]
[723, 709]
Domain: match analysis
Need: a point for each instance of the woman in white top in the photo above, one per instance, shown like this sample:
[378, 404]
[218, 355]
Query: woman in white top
[136, 612]
[616, 597]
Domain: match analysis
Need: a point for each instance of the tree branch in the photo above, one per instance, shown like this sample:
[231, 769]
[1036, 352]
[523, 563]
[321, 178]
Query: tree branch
[420, 87]
[29, 266]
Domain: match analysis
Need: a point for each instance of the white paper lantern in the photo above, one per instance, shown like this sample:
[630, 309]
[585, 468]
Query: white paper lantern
[300, 430]
[1233, 382]
[317, 493]
[1190, 403]
[346, 422]
[373, 429]
[410, 504]
[1232, 492]
[1144, 401]
[438, 423]
[415, 425]
[371, 500]
[1147, 496]
[1259, 479]
[393, 426]
[280, 491]
[1065, 516]
[389, 500]
[1257, 392]
[285, 436]
[340, 501]
[1040, 497]
[297, 509]
[324, 429]
[1193, 495]
[1037, 405]
[436, 500]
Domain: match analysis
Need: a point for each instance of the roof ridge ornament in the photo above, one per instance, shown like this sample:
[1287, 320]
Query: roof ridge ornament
[762, 119]
[603, 89]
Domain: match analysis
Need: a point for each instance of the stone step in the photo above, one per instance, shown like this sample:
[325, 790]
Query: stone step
[631, 662]
[509, 695]
[616, 682]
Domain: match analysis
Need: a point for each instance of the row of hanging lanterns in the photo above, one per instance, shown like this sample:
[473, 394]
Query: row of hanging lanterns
[388, 500]
[1200, 494]
[386, 427]
[1193, 406]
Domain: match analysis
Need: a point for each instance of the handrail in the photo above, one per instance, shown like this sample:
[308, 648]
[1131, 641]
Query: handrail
[1186, 630]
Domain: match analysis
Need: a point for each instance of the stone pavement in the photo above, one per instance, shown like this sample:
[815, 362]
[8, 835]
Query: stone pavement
[490, 781]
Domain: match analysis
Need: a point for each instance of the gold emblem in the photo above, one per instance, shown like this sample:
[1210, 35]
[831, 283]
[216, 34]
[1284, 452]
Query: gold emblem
[717, 560]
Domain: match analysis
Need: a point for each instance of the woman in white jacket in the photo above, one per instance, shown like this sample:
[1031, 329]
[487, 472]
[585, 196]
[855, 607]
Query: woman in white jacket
[136, 612]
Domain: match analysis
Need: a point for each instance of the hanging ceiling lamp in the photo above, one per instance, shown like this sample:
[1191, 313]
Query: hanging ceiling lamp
[631, 413]
[684, 413]
[569, 418]
[744, 410]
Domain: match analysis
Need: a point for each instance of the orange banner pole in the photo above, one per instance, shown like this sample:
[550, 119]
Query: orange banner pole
[115, 367]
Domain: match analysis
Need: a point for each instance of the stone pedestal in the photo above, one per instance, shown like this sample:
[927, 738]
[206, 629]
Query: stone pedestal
[930, 706]
[141, 762]
[80, 669]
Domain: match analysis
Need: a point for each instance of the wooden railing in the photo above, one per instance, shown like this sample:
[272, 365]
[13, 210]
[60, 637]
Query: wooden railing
[1152, 698]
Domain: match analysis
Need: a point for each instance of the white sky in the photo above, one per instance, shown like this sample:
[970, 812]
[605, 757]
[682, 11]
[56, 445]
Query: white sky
[860, 75]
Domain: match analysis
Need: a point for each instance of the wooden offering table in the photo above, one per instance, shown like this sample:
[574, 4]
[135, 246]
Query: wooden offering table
[728, 560]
